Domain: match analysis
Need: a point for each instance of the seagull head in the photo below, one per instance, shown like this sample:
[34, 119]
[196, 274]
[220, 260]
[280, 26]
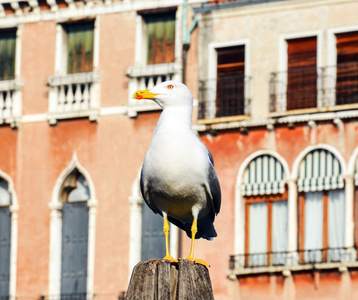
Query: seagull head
[167, 94]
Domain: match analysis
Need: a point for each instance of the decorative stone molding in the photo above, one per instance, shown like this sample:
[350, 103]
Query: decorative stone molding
[10, 102]
[74, 96]
[146, 77]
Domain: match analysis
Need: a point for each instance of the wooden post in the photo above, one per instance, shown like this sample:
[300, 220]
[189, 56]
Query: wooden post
[160, 279]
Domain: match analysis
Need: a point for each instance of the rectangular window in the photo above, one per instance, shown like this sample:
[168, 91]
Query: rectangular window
[347, 68]
[230, 90]
[7, 54]
[79, 47]
[160, 38]
[301, 73]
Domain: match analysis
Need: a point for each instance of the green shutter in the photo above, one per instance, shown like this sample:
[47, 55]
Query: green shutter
[80, 47]
[264, 176]
[320, 171]
[160, 38]
[7, 54]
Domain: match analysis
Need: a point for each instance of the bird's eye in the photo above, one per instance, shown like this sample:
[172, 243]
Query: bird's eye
[170, 86]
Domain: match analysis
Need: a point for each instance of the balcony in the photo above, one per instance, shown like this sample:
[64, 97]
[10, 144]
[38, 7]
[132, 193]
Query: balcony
[224, 99]
[10, 102]
[314, 89]
[146, 77]
[271, 262]
[74, 96]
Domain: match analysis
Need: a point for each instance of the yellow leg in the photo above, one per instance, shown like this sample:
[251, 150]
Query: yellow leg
[194, 230]
[166, 233]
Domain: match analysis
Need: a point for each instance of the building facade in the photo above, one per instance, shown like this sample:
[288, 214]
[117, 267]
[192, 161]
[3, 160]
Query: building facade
[278, 109]
[275, 87]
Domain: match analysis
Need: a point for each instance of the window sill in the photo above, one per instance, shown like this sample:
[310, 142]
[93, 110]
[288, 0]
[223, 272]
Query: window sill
[234, 273]
[91, 114]
[222, 120]
[314, 110]
[153, 70]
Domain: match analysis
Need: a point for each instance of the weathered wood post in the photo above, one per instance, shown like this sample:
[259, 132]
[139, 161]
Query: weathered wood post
[161, 279]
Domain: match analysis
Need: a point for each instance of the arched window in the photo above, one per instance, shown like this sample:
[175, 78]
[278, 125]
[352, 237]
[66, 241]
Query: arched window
[266, 212]
[153, 240]
[321, 207]
[74, 249]
[5, 239]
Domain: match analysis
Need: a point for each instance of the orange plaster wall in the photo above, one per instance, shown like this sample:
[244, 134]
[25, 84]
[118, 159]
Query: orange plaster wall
[117, 49]
[38, 41]
[229, 150]
[109, 151]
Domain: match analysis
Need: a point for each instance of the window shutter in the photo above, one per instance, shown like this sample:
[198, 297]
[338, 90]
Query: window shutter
[80, 47]
[74, 249]
[347, 68]
[5, 239]
[7, 54]
[302, 73]
[160, 38]
[230, 90]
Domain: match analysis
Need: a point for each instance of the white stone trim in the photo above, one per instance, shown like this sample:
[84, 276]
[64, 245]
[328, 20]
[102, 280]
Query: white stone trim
[348, 185]
[239, 242]
[56, 230]
[308, 149]
[14, 208]
[139, 73]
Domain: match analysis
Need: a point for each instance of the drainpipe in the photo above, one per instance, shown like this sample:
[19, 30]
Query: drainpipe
[186, 36]
[186, 44]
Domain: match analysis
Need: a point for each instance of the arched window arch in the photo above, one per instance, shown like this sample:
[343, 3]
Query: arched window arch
[264, 191]
[72, 226]
[321, 207]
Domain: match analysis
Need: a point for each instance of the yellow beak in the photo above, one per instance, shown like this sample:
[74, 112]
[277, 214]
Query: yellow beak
[144, 94]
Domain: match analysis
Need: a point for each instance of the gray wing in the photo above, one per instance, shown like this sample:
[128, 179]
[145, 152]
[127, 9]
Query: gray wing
[214, 185]
[146, 193]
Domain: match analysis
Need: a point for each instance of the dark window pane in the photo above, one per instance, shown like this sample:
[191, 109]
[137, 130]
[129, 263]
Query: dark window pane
[347, 68]
[160, 38]
[302, 73]
[79, 47]
[230, 100]
[7, 54]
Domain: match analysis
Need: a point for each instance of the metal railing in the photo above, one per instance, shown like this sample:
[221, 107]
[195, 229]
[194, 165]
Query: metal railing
[295, 258]
[69, 296]
[224, 96]
[314, 87]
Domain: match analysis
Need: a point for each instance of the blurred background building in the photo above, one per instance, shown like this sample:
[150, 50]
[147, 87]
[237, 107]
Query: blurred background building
[275, 87]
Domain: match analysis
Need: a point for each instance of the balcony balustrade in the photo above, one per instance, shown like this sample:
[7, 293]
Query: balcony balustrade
[293, 260]
[146, 77]
[226, 96]
[74, 96]
[317, 88]
[10, 102]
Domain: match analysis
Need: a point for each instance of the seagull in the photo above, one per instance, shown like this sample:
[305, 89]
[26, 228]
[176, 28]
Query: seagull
[178, 179]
